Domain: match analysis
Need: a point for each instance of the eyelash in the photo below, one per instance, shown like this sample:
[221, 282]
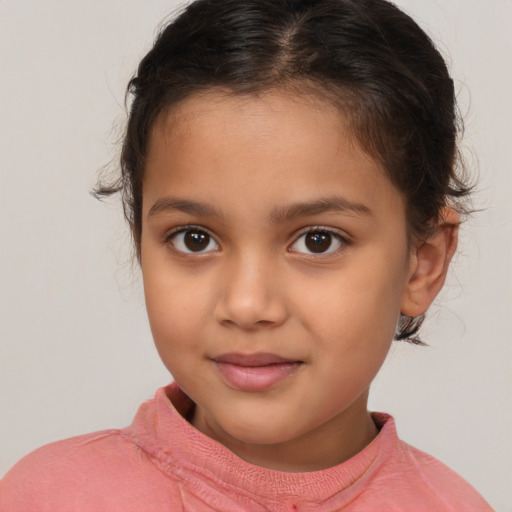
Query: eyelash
[335, 234]
[183, 229]
[342, 239]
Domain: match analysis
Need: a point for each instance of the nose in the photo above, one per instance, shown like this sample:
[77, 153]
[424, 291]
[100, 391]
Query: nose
[251, 296]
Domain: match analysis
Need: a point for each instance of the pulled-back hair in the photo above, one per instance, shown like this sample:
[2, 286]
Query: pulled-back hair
[365, 56]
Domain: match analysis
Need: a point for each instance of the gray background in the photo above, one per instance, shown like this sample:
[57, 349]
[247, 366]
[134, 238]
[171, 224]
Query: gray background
[76, 352]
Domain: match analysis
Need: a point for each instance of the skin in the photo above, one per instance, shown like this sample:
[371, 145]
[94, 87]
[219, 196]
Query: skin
[256, 287]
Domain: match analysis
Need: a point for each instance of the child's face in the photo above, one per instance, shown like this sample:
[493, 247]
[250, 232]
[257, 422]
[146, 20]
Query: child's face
[240, 181]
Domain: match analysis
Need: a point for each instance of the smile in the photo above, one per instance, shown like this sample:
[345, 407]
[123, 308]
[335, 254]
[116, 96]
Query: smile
[255, 372]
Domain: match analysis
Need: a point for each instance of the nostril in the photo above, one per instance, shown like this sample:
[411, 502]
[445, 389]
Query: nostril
[264, 323]
[255, 326]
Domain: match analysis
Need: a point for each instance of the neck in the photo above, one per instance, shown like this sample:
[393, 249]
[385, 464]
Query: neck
[325, 446]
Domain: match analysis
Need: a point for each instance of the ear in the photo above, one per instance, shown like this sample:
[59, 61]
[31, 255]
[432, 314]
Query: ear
[429, 264]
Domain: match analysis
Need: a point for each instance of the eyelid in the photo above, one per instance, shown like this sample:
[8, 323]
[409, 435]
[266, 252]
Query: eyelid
[313, 229]
[343, 237]
[185, 227]
[189, 227]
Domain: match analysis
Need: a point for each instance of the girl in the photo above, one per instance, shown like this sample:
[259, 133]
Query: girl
[289, 176]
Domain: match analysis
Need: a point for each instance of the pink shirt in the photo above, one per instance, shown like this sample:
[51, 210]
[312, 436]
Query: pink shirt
[162, 463]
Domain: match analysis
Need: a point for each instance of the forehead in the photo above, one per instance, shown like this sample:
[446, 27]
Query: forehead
[258, 114]
[275, 144]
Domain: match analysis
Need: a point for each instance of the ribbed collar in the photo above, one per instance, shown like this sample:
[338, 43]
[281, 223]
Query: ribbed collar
[180, 450]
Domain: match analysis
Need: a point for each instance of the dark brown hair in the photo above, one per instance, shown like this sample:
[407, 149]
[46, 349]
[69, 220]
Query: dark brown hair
[366, 56]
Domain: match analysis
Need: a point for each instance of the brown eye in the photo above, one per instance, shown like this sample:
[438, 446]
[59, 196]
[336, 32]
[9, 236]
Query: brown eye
[318, 242]
[196, 240]
[193, 241]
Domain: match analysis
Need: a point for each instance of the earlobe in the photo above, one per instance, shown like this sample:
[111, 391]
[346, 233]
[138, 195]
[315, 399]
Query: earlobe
[429, 265]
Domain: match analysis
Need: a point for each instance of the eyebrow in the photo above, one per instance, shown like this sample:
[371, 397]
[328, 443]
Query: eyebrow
[184, 205]
[277, 216]
[322, 205]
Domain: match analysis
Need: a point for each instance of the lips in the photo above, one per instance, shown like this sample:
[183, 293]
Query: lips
[255, 372]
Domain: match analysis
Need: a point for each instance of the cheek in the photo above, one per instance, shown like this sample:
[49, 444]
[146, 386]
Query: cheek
[353, 339]
[353, 318]
[177, 309]
[354, 307]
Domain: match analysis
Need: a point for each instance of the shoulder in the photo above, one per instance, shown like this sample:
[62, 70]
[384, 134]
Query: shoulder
[420, 477]
[54, 470]
[409, 476]
[86, 469]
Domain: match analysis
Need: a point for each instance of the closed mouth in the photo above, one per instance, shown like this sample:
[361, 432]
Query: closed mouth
[255, 372]
[256, 359]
